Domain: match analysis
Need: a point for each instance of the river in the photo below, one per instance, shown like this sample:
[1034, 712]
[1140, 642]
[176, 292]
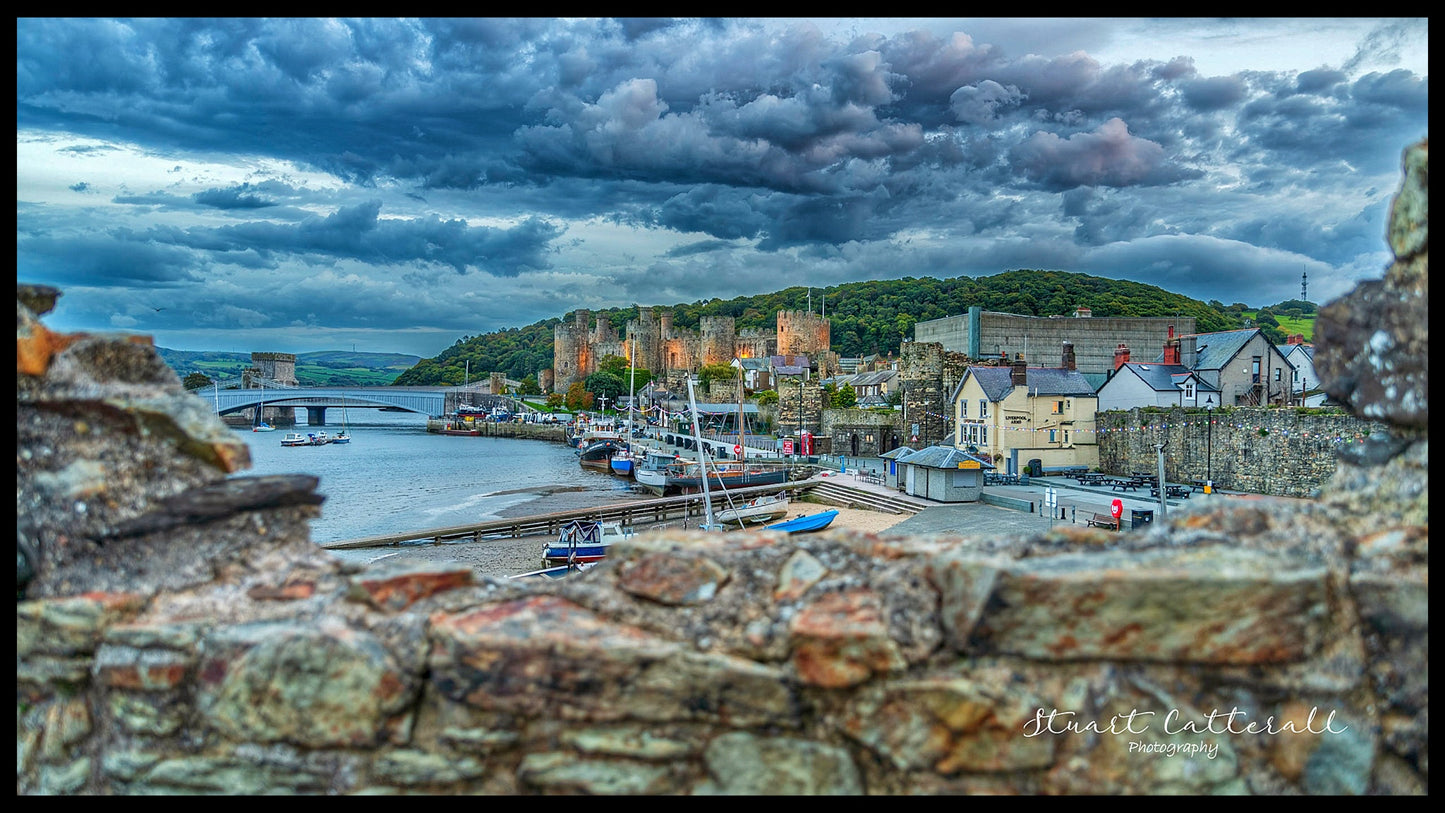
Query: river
[394, 476]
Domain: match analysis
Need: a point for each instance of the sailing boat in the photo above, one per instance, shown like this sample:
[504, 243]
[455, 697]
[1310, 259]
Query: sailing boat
[710, 525]
[261, 425]
[621, 461]
[342, 437]
[761, 509]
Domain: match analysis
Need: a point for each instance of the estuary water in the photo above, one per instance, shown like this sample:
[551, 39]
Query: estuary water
[394, 476]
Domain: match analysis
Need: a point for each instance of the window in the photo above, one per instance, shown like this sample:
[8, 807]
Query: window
[1056, 407]
[1254, 370]
[1189, 390]
[1053, 438]
[1066, 437]
[983, 407]
[983, 436]
[1277, 372]
[963, 403]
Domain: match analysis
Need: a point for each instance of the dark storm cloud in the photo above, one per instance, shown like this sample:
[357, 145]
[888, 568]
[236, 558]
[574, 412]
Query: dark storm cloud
[1108, 156]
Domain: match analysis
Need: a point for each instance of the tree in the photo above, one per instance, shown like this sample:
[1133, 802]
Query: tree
[529, 386]
[846, 397]
[578, 398]
[767, 397]
[196, 381]
[721, 372]
[555, 400]
[604, 384]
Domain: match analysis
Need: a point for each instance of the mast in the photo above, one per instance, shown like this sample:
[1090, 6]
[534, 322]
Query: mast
[701, 457]
[742, 430]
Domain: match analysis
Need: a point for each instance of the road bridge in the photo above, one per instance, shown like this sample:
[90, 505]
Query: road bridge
[430, 401]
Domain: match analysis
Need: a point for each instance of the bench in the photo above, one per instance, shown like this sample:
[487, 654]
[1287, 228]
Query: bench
[1104, 521]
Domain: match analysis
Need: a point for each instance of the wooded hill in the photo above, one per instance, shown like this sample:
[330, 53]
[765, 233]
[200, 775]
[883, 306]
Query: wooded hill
[865, 317]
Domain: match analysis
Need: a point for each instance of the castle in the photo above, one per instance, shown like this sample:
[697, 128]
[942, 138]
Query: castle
[668, 351]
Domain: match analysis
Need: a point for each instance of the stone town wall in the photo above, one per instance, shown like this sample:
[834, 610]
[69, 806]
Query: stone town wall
[862, 432]
[1283, 452]
[178, 632]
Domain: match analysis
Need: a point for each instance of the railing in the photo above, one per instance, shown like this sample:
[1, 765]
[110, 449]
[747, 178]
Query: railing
[628, 513]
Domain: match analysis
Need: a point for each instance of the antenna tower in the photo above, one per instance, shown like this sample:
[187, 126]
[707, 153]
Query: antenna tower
[1303, 286]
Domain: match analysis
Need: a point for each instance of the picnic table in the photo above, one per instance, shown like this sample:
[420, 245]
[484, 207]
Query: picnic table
[1091, 478]
[1172, 490]
[993, 479]
[1124, 483]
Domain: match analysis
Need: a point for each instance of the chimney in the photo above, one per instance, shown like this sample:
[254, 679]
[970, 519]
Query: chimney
[1295, 338]
[1121, 355]
[1019, 376]
[1171, 348]
[1188, 353]
[1069, 356]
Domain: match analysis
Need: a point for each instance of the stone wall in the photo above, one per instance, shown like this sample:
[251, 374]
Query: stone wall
[178, 632]
[1282, 452]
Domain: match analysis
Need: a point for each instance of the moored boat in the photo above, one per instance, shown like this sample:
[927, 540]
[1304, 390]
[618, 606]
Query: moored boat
[687, 479]
[294, 439]
[651, 471]
[599, 455]
[621, 462]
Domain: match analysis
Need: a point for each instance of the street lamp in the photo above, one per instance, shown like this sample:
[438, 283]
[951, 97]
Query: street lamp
[1209, 449]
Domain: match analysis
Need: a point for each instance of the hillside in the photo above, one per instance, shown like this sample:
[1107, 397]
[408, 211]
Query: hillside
[321, 368]
[866, 317]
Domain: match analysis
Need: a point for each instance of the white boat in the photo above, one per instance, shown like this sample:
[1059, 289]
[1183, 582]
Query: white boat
[261, 425]
[343, 436]
[763, 509]
[295, 439]
[651, 471]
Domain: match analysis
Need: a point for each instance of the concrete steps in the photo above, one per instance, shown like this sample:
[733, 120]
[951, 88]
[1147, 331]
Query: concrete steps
[850, 497]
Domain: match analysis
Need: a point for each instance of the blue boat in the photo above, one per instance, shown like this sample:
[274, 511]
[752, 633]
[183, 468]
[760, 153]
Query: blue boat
[802, 525]
[583, 543]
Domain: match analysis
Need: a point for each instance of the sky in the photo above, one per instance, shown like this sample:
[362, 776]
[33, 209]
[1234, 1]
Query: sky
[393, 185]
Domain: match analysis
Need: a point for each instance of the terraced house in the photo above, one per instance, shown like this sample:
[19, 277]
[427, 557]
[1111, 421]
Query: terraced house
[1019, 413]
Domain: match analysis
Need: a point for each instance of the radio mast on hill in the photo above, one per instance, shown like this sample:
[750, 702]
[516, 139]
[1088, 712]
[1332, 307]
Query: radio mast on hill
[1303, 286]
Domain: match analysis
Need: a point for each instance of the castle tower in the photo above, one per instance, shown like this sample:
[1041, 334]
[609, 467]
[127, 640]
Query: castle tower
[718, 339]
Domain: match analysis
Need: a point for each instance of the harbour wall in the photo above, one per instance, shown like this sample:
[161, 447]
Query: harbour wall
[1288, 452]
[178, 632]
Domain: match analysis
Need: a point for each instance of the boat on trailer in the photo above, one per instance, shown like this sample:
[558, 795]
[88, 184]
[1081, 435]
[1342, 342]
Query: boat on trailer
[762, 509]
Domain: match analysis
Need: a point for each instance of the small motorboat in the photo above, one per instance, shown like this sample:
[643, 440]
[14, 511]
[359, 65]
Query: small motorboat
[294, 439]
[583, 542]
[805, 524]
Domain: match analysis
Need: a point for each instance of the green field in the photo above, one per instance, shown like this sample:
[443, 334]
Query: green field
[1304, 326]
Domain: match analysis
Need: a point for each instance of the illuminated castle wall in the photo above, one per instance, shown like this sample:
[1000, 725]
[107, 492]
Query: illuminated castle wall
[578, 346]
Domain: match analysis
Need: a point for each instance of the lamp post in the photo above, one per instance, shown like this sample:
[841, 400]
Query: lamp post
[800, 414]
[1209, 448]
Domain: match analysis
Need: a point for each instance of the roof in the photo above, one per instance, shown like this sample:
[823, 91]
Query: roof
[753, 363]
[1214, 350]
[1165, 377]
[997, 382]
[943, 457]
[899, 453]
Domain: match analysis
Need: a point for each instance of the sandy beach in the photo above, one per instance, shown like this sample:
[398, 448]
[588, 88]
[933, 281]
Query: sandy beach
[509, 556]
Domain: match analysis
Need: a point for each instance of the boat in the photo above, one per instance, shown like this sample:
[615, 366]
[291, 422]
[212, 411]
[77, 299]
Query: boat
[762, 509]
[599, 455]
[805, 524]
[651, 471]
[343, 436]
[294, 439]
[582, 542]
[621, 462]
[554, 572]
[687, 478]
[261, 425]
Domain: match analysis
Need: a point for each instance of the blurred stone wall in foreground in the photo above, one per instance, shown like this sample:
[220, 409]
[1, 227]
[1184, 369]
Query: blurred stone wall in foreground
[178, 632]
